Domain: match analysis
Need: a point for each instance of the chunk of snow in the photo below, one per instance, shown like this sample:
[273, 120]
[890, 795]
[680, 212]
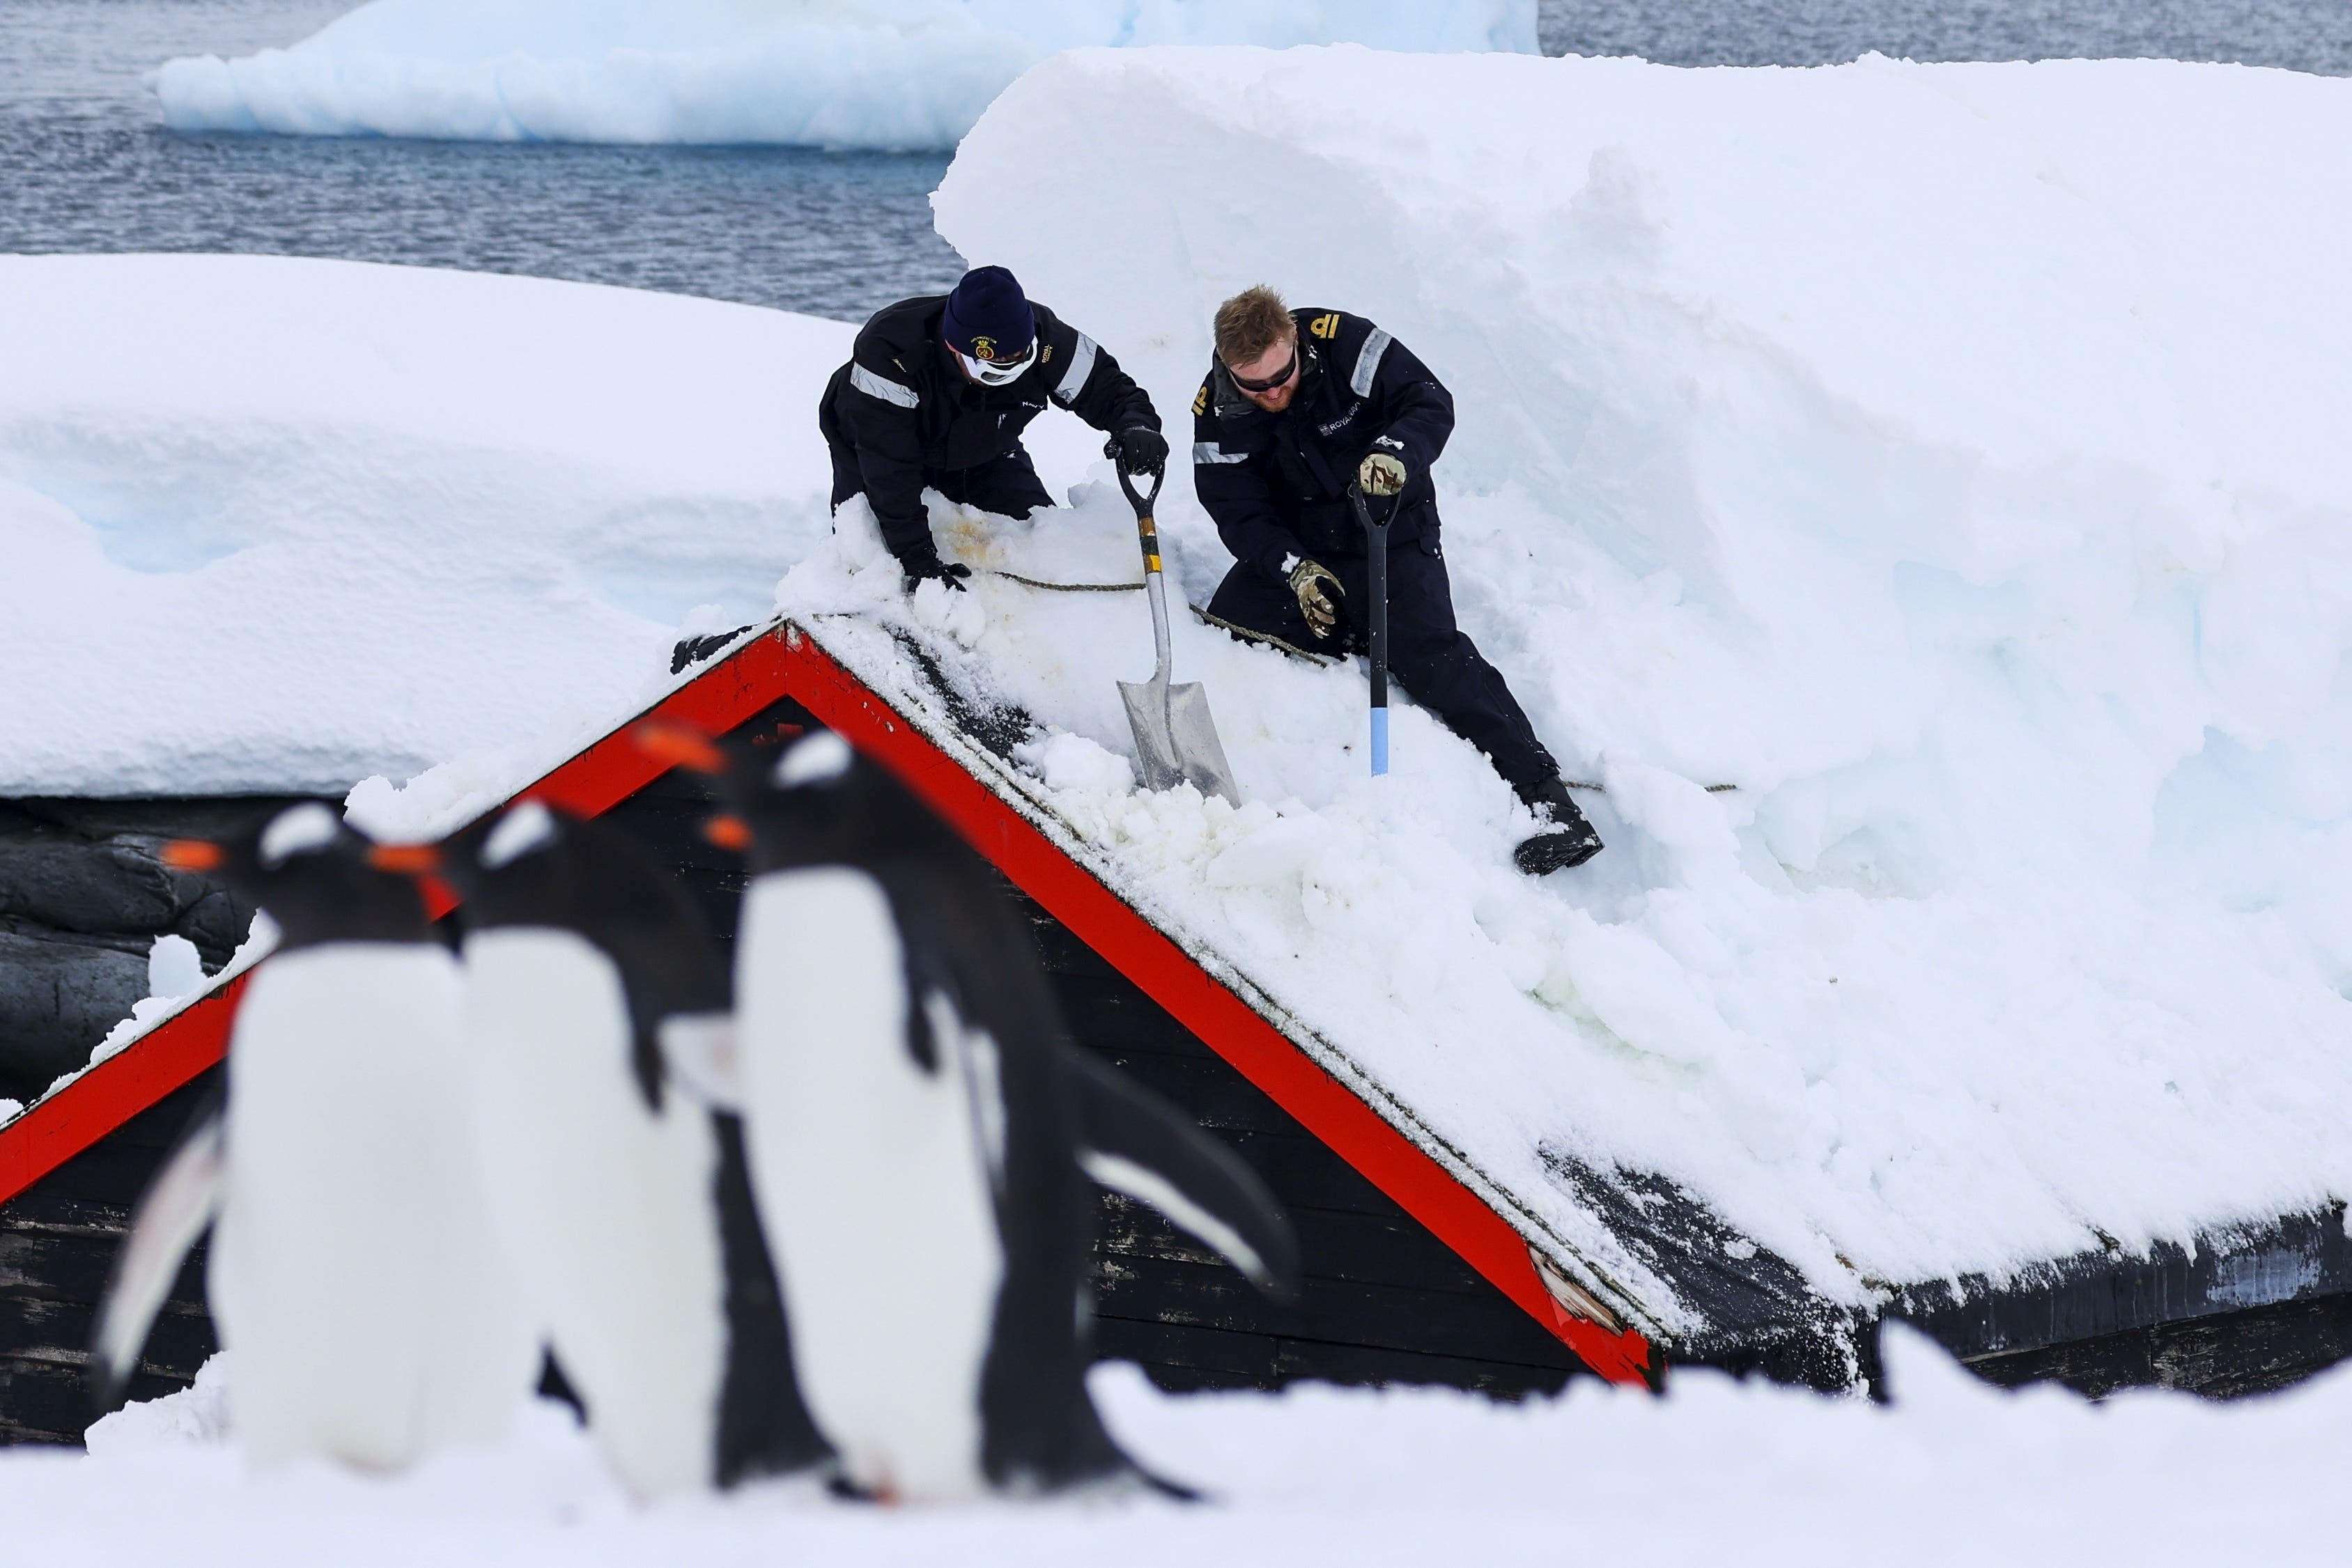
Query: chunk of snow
[175, 968]
[196, 1415]
[907, 74]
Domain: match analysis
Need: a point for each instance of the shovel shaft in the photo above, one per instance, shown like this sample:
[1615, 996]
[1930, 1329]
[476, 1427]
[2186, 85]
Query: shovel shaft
[1375, 622]
[1156, 591]
[1147, 535]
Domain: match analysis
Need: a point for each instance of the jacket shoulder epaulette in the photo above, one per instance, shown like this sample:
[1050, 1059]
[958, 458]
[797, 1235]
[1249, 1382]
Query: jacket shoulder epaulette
[1352, 346]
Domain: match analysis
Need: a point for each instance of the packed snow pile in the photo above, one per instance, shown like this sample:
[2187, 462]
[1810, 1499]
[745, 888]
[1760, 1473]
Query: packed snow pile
[278, 525]
[1952, 1472]
[905, 74]
[1947, 458]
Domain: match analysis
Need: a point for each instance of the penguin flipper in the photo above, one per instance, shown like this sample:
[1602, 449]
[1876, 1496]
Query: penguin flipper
[1134, 1142]
[176, 1208]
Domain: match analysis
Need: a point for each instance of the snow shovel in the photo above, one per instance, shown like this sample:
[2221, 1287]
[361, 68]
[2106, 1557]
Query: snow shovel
[1376, 628]
[1175, 739]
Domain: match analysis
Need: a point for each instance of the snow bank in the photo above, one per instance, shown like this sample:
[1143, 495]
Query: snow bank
[831, 73]
[277, 525]
[1950, 458]
[1953, 1473]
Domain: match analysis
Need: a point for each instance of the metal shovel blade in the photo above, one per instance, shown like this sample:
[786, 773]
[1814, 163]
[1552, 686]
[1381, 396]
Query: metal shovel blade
[1175, 739]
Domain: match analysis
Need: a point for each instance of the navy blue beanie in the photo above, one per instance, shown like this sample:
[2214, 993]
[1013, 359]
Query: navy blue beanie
[988, 317]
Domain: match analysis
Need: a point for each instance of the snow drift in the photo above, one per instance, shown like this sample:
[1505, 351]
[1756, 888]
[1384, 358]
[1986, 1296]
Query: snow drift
[907, 74]
[278, 525]
[1953, 1473]
[1947, 457]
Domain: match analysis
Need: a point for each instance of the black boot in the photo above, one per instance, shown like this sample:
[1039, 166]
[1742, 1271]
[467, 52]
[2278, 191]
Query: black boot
[1569, 841]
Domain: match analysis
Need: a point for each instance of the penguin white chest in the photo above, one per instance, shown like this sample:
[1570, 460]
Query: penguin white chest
[605, 1204]
[355, 1276]
[875, 1174]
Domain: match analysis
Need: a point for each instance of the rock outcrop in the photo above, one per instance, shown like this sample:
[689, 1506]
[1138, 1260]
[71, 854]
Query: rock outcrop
[83, 895]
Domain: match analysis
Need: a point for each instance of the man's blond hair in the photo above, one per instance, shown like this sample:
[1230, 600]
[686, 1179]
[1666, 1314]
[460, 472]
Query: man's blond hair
[1250, 323]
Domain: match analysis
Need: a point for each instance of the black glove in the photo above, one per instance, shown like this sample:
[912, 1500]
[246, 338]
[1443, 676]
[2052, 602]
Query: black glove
[1141, 449]
[922, 564]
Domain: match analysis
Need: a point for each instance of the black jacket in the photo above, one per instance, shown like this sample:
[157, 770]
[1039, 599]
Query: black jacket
[1277, 484]
[904, 405]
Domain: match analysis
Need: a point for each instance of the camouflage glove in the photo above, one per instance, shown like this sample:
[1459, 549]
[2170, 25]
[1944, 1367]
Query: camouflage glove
[1319, 595]
[1381, 473]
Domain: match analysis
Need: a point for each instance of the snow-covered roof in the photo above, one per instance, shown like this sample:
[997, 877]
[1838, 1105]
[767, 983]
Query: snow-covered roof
[278, 525]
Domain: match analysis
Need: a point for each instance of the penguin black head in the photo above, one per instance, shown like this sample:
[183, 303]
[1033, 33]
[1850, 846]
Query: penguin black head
[313, 874]
[824, 803]
[503, 865]
[539, 866]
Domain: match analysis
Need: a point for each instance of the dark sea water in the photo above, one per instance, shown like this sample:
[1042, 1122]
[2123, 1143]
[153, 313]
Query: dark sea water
[86, 164]
[2301, 35]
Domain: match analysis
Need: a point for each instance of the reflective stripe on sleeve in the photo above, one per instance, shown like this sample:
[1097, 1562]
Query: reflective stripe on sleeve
[1210, 452]
[1074, 380]
[1367, 362]
[888, 391]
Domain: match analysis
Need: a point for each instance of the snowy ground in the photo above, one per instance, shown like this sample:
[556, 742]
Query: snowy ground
[907, 74]
[1955, 1472]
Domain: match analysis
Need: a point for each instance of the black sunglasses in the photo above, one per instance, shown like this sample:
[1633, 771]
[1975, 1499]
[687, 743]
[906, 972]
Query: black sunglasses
[1287, 370]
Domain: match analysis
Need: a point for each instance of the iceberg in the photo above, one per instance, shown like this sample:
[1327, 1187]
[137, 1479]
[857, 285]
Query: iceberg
[894, 74]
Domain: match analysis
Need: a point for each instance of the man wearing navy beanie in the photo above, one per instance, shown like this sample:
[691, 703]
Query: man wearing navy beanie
[936, 394]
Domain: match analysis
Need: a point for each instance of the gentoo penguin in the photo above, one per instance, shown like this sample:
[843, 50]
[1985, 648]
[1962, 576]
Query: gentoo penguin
[352, 1271]
[625, 1205]
[922, 1132]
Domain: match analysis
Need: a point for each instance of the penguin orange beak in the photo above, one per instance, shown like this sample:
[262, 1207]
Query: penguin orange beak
[728, 833]
[407, 860]
[679, 746]
[191, 854]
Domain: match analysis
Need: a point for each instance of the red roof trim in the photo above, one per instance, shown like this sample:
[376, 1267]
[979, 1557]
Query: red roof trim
[165, 1058]
[788, 664]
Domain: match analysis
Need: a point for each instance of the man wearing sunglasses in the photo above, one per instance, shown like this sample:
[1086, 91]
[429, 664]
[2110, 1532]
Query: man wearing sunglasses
[1298, 405]
[936, 394]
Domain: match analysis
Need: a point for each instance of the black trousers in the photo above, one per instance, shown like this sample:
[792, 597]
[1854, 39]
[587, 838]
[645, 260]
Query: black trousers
[1007, 485]
[1431, 657]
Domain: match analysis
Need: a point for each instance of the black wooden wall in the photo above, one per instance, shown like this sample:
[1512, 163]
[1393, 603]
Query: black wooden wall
[56, 1243]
